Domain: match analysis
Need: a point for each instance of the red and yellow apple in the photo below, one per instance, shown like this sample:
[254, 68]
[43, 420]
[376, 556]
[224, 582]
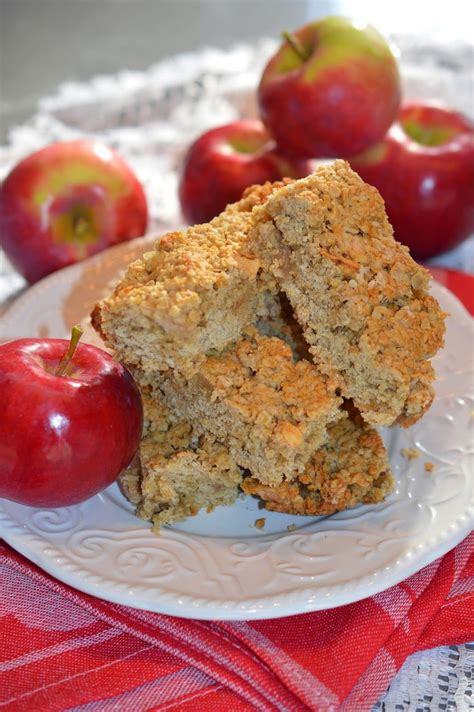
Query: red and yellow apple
[66, 202]
[71, 421]
[424, 170]
[224, 161]
[331, 90]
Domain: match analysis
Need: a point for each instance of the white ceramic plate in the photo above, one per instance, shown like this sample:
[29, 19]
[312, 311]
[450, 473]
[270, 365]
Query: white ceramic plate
[219, 566]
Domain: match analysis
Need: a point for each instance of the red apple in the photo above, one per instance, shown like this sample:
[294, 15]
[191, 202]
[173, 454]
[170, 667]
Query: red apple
[68, 425]
[224, 161]
[67, 202]
[332, 89]
[424, 169]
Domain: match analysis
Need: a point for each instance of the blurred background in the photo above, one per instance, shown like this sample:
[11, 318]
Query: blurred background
[149, 76]
[46, 42]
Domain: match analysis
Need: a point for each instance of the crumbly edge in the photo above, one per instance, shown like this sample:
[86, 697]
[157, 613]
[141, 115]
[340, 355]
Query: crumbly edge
[269, 409]
[372, 327]
[194, 292]
[352, 467]
[176, 473]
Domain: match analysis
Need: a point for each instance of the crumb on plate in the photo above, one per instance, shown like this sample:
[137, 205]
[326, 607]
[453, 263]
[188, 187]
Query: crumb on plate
[410, 453]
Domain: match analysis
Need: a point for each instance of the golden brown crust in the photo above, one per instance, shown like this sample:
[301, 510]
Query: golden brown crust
[194, 292]
[130, 479]
[96, 321]
[352, 467]
[360, 298]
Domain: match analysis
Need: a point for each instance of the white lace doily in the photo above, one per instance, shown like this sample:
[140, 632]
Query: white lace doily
[433, 680]
[151, 117]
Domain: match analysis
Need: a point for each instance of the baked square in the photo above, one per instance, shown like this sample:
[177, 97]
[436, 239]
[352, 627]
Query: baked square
[193, 293]
[176, 473]
[351, 468]
[359, 297]
[269, 410]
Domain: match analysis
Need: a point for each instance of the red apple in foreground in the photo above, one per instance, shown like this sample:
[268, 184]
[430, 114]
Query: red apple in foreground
[424, 169]
[332, 89]
[68, 426]
[224, 161]
[67, 202]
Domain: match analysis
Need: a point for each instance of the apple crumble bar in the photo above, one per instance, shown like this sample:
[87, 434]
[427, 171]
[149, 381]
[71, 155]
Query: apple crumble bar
[360, 298]
[352, 467]
[193, 293]
[270, 411]
[175, 473]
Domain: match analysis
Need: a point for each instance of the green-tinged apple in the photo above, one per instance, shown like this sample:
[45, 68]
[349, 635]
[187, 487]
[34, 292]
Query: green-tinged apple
[71, 421]
[424, 170]
[224, 161]
[66, 202]
[331, 90]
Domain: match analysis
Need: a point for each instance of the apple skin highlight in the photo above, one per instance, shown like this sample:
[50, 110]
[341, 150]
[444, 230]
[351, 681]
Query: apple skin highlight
[424, 170]
[64, 438]
[332, 92]
[224, 161]
[67, 202]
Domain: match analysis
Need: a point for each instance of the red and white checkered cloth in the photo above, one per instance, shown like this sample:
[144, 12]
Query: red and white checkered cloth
[61, 649]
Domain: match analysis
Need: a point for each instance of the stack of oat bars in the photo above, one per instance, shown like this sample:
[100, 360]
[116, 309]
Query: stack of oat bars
[267, 345]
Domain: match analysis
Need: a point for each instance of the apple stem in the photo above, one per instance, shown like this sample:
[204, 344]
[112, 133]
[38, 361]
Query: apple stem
[76, 334]
[80, 226]
[295, 45]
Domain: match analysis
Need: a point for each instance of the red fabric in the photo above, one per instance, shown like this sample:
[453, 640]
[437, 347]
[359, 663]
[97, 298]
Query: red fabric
[61, 649]
[459, 283]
